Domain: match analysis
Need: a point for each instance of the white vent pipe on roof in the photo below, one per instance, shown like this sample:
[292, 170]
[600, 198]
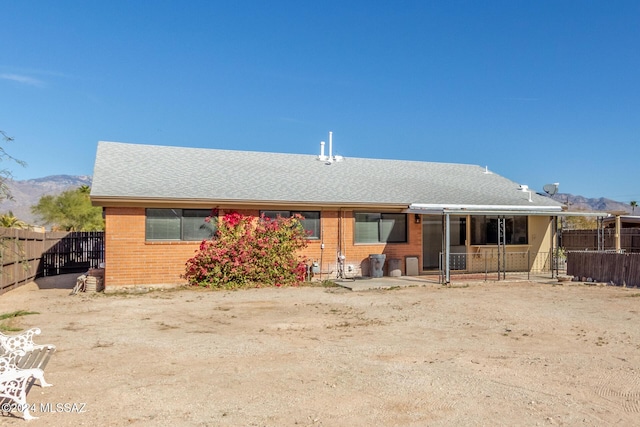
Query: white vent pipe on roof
[330, 145]
[330, 158]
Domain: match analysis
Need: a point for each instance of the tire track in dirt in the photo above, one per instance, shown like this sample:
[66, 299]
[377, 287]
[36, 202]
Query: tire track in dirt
[621, 389]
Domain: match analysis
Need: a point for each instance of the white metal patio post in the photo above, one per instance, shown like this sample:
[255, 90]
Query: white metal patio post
[447, 248]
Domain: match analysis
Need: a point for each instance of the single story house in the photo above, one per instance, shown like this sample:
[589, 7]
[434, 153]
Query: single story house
[422, 216]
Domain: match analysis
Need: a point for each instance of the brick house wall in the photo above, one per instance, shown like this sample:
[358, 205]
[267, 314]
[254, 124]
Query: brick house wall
[357, 255]
[133, 261]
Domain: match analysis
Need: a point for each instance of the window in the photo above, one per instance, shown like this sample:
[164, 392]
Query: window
[484, 230]
[179, 224]
[458, 231]
[380, 228]
[310, 223]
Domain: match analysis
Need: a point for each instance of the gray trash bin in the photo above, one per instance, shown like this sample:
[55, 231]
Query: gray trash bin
[394, 268]
[376, 262]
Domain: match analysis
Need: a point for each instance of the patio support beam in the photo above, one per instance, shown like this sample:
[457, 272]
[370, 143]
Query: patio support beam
[447, 248]
[555, 267]
[618, 227]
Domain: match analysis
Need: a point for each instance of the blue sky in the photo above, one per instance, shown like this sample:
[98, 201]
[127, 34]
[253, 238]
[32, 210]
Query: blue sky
[538, 91]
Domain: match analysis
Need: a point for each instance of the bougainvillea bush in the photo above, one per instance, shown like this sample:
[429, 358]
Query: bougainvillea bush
[249, 251]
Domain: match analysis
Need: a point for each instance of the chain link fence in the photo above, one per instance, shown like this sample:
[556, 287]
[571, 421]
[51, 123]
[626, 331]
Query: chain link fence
[492, 264]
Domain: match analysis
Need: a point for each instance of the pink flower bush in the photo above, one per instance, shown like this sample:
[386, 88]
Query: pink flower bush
[248, 251]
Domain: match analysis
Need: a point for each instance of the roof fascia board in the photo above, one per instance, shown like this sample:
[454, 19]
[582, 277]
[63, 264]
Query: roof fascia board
[106, 201]
[467, 208]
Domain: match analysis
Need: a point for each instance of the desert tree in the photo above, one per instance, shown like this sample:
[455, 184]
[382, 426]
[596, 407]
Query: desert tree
[633, 204]
[5, 172]
[581, 223]
[70, 210]
[9, 245]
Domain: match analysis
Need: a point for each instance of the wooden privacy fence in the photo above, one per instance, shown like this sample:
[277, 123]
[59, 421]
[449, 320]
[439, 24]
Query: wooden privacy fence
[25, 255]
[587, 240]
[609, 267]
[20, 255]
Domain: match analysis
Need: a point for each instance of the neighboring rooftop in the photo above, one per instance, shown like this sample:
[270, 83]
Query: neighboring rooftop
[151, 172]
[626, 221]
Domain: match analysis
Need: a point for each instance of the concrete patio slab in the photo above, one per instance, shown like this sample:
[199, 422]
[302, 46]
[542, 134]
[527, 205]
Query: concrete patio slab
[367, 283]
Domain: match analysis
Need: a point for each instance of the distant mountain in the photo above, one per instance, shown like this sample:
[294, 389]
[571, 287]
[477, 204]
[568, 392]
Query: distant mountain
[28, 192]
[580, 203]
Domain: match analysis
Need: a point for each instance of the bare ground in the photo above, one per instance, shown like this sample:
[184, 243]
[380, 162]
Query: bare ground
[521, 353]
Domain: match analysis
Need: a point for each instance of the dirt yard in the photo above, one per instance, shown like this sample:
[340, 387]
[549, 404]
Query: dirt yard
[520, 353]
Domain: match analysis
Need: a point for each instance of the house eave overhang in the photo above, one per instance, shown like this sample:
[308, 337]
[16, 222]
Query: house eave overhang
[151, 202]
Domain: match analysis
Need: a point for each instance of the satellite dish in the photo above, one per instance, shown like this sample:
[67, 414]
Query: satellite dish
[551, 189]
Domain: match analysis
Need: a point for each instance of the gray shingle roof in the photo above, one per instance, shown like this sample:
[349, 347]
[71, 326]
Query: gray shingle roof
[133, 171]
